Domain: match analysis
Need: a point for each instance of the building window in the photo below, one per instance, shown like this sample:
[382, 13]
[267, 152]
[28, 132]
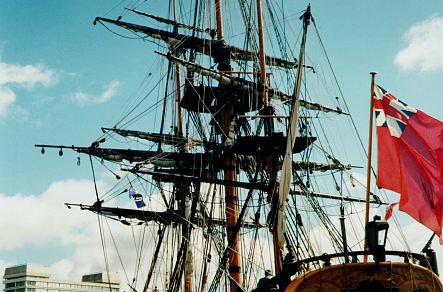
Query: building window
[41, 284]
[53, 285]
[20, 284]
[31, 283]
[10, 285]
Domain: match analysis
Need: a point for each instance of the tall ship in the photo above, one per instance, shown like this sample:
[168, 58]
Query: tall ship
[241, 158]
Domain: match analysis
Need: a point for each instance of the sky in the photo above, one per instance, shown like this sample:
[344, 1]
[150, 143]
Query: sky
[62, 79]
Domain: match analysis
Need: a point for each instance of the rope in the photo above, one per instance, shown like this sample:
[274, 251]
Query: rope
[102, 239]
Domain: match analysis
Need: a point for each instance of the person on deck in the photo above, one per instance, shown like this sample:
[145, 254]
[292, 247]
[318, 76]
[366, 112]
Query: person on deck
[265, 279]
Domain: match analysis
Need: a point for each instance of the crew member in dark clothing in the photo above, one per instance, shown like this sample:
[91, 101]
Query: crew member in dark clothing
[265, 279]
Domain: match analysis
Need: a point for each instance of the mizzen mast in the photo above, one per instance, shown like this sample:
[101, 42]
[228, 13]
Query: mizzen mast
[271, 159]
[229, 170]
[262, 53]
[286, 171]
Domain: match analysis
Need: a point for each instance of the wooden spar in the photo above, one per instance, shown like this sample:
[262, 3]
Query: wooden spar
[230, 173]
[286, 171]
[268, 130]
[262, 54]
[178, 81]
[263, 116]
[172, 22]
[218, 19]
[202, 45]
[369, 166]
[269, 126]
[183, 188]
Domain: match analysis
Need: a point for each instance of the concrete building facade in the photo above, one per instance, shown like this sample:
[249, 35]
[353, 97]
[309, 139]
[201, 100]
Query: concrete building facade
[37, 278]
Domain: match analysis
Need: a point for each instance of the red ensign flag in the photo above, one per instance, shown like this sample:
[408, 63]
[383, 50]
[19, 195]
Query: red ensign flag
[410, 158]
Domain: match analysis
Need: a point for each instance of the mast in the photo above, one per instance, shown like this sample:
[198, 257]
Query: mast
[218, 19]
[183, 188]
[229, 172]
[262, 53]
[178, 81]
[343, 231]
[286, 172]
[267, 110]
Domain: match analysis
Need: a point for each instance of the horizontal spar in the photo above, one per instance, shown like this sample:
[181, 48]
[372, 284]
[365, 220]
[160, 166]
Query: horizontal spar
[249, 185]
[165, 217]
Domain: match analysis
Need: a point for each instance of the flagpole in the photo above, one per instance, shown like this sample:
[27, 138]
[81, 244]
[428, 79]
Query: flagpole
[369, 165]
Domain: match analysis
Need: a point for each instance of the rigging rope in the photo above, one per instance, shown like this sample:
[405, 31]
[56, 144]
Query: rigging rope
[327, 223]
[223, 261]
[341, 93]
[100, 224]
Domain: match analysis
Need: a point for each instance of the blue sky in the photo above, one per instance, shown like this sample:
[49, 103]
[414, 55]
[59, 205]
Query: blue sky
[62, 79]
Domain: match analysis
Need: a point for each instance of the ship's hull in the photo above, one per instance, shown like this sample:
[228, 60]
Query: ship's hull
[385, 276]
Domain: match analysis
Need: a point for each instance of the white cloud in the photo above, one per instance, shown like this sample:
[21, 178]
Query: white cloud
[43, 218]
[7, 99]
[41, 222]
[26, 76]
[85, 99]
[424, 46]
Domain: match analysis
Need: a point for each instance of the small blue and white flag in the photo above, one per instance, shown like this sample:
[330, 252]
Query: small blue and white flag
[138, 198]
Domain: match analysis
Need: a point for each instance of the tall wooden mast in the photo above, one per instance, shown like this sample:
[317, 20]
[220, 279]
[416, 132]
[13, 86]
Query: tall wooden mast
[286, 171]
[178, 82]
[262, 53]
[230, 170]
[271, 159]
[183, 189]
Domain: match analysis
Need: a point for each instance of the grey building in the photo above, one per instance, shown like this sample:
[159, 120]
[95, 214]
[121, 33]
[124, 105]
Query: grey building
[37, 278]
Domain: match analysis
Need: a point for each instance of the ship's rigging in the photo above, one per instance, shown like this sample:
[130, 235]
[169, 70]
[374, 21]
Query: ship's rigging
[250, 152]
[243, 176]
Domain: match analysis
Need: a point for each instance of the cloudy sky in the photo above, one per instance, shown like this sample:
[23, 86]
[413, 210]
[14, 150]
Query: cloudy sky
[61, 79]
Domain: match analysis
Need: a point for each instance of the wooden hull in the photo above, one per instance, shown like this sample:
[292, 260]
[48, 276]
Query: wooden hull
[385, 276]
